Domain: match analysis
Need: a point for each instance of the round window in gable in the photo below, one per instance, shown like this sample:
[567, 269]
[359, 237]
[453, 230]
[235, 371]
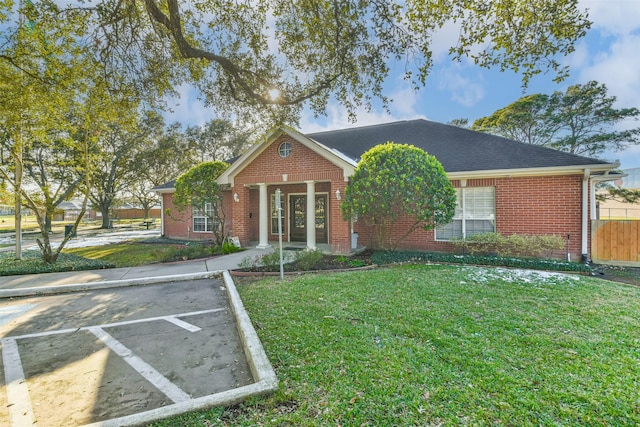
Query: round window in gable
[284, 149]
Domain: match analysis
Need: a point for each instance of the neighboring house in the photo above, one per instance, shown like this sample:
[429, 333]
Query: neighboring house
[69, 210]
[502, 186]
[617, 210]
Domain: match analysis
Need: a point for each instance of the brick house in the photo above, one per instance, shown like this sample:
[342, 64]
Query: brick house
[502, 186]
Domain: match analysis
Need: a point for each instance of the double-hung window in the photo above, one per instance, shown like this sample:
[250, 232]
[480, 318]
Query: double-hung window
[202, 218]
[475, 214]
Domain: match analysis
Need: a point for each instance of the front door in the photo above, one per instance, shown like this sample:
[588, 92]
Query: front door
[298, 218]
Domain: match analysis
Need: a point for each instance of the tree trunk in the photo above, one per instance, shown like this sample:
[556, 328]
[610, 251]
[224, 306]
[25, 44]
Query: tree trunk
[47, 223]
[106, 220]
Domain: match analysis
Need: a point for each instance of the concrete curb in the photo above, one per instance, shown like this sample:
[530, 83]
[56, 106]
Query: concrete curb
[78, 287]
[261, 369]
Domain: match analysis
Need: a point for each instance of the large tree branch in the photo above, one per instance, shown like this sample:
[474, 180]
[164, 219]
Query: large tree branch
[238, 76]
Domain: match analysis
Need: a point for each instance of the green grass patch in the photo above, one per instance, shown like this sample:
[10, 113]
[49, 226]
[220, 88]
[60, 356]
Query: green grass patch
[443, 345]
[31, 263]
[132, 254]
[127, 254]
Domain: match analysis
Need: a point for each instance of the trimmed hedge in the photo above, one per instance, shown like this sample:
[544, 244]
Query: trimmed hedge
[518, 245]
[386, 257]
[31, 263]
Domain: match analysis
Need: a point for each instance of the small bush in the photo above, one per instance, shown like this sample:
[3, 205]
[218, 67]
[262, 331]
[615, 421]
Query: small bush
[248, 263]
[308, 260]
[514, 245]
[271, 261]
[385, 257]
[31, 263]
[229, 248]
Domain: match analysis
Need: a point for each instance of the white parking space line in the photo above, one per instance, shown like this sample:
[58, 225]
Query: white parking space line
[18, 399]
[171, 318]
[171, 390]
[181, 323]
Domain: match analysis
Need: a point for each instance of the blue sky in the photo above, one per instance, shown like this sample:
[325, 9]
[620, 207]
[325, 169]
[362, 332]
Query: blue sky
[609, 54]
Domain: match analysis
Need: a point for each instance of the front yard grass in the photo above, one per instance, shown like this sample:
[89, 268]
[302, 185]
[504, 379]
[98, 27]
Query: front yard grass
[443, 345]
[130, 254]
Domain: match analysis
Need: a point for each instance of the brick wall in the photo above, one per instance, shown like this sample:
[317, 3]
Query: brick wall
[302, 165]
[524, 205]
[541, 206]
[179, 225]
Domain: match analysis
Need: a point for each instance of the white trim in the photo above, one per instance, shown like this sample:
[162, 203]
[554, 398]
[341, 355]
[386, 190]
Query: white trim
[508, 173]
[162, 219]
[311, 215]
[165, 190]
[264, 216]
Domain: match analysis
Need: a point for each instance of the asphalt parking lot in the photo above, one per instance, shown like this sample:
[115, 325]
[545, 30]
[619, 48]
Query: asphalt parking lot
[106, 356]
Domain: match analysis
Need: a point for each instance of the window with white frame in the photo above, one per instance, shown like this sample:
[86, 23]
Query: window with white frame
[475, 214]
[202, 219]
[274, 214]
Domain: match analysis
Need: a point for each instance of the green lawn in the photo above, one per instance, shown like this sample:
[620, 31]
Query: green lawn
[443, 345]
[129, 254]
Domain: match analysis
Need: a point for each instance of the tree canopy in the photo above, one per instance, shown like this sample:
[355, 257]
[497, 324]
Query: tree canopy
[196, 188]
[580, 120]
[399, 181]
[261, 53]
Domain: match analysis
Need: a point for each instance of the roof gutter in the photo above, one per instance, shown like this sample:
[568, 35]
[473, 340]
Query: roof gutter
[544, 171]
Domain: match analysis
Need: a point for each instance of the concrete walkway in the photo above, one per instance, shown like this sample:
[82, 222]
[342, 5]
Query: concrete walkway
[69, 281]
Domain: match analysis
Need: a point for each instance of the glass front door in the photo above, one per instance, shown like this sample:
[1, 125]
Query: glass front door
[298, 218]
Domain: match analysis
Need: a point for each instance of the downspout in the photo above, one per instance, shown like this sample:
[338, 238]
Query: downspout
[585, 215]
[162, 215]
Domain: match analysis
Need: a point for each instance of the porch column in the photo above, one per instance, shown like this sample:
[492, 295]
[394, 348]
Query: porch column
[263, 217]
[311, 215]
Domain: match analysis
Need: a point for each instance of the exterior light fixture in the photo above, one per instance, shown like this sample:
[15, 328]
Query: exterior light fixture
[338, 195]
[236, 198]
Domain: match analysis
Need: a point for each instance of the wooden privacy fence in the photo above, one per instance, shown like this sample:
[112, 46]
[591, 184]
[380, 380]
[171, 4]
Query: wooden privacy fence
[615, 242]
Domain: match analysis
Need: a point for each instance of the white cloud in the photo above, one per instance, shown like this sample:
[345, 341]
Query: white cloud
[618, 69]
[462, 89]
[404, 106]
[187, 108]
[613, 16]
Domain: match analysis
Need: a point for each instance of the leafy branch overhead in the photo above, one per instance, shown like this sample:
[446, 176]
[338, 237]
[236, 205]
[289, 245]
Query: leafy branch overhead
[282, 53]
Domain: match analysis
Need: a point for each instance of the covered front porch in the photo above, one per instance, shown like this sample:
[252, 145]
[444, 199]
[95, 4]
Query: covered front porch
[309, 212]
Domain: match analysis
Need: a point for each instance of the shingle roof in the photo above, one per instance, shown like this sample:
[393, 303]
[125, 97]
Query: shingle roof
[458, 149]
[166, 186]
